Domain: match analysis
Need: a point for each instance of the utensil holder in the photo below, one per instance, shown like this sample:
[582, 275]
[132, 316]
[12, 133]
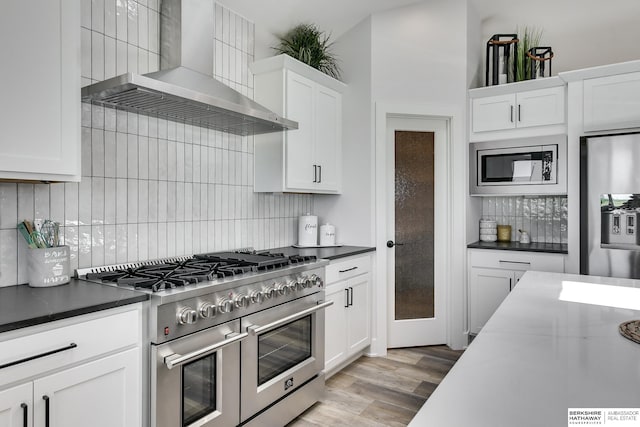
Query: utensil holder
[48, 266]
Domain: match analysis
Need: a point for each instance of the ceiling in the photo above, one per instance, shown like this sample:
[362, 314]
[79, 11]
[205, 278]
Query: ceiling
[335, 17]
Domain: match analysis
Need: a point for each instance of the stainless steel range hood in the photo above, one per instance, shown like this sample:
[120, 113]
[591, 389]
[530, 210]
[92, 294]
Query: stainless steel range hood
[183, 89]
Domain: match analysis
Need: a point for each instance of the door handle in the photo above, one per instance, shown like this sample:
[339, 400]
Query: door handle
[351, 293]
[178, 359]
[511, 114]
[391, 243]
[25, 414]
[46, 410]
[519, 114]
[319, 173]
[315, 173]
[346, 302]
[255, 330]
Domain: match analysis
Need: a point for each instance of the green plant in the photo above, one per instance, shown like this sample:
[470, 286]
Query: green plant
[308, 44]
[529, 37]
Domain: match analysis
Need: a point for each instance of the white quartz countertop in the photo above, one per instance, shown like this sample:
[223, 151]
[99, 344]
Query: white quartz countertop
[552, 345]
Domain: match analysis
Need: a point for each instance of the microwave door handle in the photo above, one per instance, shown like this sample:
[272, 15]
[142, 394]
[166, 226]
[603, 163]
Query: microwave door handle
[255, 330]
[175, 360]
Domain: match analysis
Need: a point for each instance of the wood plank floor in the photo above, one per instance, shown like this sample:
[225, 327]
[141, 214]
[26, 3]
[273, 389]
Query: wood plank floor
[381, 391]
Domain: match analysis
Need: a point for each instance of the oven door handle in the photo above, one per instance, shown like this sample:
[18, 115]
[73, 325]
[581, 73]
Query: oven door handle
[175, 359]
[255, 330]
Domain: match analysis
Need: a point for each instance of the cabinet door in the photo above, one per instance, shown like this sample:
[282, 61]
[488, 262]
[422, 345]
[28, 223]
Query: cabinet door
[16, 406]
[335, 331]
[358, 313]
[40, 101]
[487, 289]
[328, 136]
[612, 102]
[299, 146]
[517, 275]
[493, 113]
[103, 393]
[540, 107]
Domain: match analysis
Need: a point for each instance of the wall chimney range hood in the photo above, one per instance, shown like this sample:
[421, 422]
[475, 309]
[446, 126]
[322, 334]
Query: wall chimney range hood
[183, 89]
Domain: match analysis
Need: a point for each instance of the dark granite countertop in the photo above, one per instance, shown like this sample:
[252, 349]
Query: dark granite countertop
[22, 306]
[325, 253]
[552, 248]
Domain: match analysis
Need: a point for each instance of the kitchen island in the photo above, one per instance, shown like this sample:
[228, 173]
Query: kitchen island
[552, 345]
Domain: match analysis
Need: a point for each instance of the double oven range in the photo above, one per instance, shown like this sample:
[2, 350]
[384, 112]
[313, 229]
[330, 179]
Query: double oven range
[236, 338]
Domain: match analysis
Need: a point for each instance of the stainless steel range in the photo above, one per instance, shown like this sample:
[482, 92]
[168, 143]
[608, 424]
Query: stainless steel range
[236, 338]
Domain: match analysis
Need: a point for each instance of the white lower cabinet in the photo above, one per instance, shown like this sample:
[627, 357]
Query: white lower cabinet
[16, 406]
[71, 387]
[493, 274]
[102, 391]
[348, 320]
[487, 289]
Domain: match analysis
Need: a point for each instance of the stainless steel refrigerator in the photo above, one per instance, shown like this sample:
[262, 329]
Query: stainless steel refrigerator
[610, 205]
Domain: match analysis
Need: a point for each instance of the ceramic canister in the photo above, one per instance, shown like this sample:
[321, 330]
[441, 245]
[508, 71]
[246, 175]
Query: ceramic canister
[308, 230]
[327, 235]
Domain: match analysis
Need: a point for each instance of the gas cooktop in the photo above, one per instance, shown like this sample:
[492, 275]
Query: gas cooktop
[159, 275]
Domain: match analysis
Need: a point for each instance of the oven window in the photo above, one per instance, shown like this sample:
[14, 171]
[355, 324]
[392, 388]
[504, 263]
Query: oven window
[198, 389]
[282, 348]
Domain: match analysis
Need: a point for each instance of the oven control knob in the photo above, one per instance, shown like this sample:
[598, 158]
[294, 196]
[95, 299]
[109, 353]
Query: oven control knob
[270, 292]
[187, 316]
[207, 310]
[315, 281]
[283, 288]
[241, 301]
[225, 305]
[307, 282]
[292, 285]
[257, 297]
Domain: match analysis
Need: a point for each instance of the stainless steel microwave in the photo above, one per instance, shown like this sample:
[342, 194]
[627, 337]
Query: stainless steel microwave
[523, 166]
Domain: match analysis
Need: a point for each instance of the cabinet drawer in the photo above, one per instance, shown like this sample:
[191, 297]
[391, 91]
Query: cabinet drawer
[511, 260]
[37, 353]
[350, 267]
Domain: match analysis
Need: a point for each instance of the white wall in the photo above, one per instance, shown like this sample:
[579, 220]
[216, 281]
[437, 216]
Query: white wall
[352, 212]
[582, 33]
[419, 53]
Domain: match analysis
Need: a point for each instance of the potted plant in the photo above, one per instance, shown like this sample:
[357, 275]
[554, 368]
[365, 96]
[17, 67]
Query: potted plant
[309, 45]
[530, 38]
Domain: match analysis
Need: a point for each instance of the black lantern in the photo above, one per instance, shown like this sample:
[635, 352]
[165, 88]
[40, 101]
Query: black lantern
[500, 48]
[536, 59]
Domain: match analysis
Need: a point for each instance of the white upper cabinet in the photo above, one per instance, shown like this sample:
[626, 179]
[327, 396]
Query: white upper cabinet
[308, 159]
[40, 90]
[612, 102]
[493, 113]
[535, 107]
[540, 107]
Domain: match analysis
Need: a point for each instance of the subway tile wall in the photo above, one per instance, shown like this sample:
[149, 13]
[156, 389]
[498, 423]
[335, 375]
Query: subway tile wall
[544, 217]
[151, 188]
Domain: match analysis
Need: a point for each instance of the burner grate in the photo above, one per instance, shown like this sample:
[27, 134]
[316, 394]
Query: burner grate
[179, 272]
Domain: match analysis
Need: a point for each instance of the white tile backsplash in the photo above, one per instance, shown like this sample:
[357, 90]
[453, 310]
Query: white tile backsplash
[544, 217]
[153, 188]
